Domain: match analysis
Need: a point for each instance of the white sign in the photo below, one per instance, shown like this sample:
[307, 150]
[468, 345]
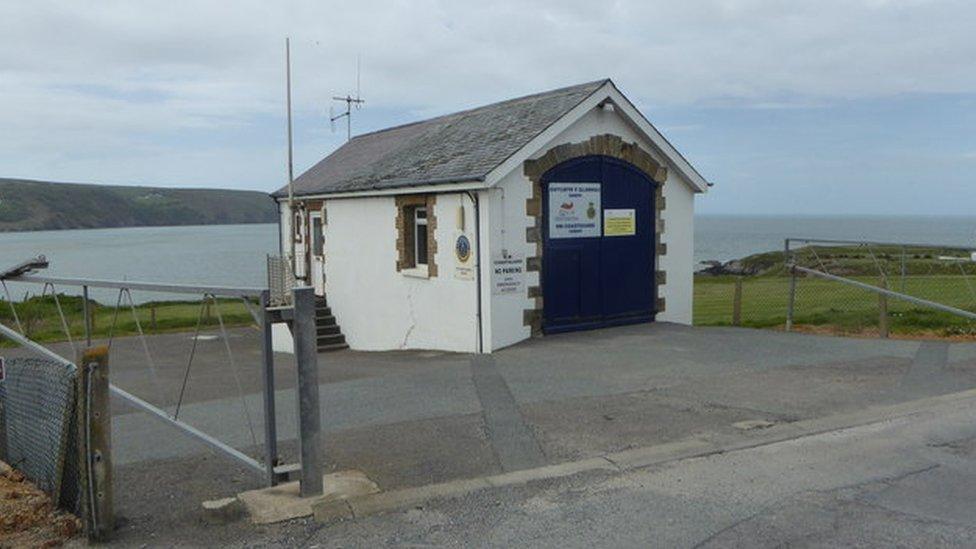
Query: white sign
[574, 210]
[619, 222]
[508, 275]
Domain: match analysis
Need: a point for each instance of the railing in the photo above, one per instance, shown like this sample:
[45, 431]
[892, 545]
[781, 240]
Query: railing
[212, 306]
[882, 286]
[846, 287]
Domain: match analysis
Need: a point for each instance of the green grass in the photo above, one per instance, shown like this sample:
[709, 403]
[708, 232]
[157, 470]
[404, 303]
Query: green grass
[864, 261]
[41, 321]
[837, 306]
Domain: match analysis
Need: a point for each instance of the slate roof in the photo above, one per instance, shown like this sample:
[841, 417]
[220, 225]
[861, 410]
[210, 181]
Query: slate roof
[464, 146]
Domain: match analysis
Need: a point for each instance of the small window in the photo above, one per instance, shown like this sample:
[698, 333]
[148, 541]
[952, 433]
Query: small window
[416, 224]
[420, 235]
[297, 225]
[317, 237]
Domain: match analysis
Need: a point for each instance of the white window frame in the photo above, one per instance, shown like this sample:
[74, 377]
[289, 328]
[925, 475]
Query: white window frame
[312, 217]
[418, 221]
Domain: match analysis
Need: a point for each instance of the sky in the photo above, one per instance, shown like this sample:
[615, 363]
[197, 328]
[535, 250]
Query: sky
[829, 106]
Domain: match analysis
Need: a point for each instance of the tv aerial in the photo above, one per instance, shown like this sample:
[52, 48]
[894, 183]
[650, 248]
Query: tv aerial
[350, 102]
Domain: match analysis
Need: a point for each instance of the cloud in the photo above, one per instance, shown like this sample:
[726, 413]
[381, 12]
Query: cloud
[83, 85]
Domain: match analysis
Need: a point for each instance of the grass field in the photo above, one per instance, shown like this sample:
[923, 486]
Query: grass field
[840, 307]
[819, 303]
[41, 321]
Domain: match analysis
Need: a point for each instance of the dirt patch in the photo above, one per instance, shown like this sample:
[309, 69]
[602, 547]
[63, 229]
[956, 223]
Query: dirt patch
[873, 333]
[28, 518]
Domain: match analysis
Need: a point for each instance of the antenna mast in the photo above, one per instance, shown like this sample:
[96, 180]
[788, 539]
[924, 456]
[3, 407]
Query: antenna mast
[350, 102]
[291, 173]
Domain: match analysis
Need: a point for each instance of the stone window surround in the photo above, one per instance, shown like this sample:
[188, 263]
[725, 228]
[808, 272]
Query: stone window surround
[609, 145]
[404, 246]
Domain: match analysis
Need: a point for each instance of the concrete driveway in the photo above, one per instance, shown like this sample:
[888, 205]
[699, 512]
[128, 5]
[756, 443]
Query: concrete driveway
[416, 418]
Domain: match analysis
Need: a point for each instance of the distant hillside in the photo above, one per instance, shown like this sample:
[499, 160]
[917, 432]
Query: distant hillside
[27, 205]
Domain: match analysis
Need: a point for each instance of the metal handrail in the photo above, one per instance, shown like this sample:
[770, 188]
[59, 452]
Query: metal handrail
[883, 291]
[230, 291]
[873, 243]
[33, 345]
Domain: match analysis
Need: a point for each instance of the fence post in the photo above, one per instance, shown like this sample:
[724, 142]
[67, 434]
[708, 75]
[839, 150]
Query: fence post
[790, 264]
[904, 267]
[3, 429]
[791, 301]
[883, 311]
[95, 443]
[737, 303]
[86, 312]
[306, 356]
[267, 375]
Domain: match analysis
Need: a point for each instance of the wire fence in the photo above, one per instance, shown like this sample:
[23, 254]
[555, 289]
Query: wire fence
[176, 359]
[281, 280]
[917, 275]
[38, 424]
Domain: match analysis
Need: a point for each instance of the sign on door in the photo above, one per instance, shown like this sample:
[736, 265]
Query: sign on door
[574, 210]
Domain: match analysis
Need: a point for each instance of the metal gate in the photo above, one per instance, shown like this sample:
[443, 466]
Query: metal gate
[299, 314]
[923, 284]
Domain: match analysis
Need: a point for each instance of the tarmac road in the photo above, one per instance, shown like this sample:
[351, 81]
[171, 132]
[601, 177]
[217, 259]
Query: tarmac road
[414, 418]
[909, 482]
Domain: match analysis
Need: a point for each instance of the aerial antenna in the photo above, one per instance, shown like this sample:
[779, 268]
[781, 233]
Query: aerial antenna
[350, 101]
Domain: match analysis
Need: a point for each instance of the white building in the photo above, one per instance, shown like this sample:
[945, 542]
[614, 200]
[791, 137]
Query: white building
[473, 231]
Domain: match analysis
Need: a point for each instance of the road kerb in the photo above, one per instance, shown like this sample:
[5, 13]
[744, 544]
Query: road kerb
[629, 460]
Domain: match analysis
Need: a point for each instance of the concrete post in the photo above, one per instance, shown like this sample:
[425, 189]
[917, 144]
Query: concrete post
[306, 357]
[95, 443]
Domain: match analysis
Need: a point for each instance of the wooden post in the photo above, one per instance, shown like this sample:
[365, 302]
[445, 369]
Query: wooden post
[737, 303]
[152, 316]
[883, 311]
[95, 443]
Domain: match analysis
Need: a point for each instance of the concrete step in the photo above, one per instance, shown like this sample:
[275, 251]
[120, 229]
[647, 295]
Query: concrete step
[330, 339]
[325, 311]
[327, 330]
[328, 320]
[330, 348]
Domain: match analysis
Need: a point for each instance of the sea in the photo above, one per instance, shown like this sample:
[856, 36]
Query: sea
[234, 255]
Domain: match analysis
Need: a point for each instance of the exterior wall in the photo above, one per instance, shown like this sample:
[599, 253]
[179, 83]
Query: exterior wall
[509, 222]
[379, 308]
[679, 262]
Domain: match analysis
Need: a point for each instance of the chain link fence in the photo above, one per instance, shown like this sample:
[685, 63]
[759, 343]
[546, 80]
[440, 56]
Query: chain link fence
[827, 298]
[39, 424]
[281, 280]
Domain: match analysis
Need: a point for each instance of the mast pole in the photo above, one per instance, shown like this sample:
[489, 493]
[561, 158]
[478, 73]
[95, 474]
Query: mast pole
[291, 174]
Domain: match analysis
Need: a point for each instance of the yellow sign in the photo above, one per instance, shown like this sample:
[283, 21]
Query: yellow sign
[619, 223]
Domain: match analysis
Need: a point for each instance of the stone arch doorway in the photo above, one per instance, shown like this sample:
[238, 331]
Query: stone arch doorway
[598, 232]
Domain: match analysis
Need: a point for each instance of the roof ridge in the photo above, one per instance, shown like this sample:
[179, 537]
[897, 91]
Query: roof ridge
[485, 106]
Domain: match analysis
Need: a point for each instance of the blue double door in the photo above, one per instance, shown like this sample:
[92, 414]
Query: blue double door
[602, 275]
